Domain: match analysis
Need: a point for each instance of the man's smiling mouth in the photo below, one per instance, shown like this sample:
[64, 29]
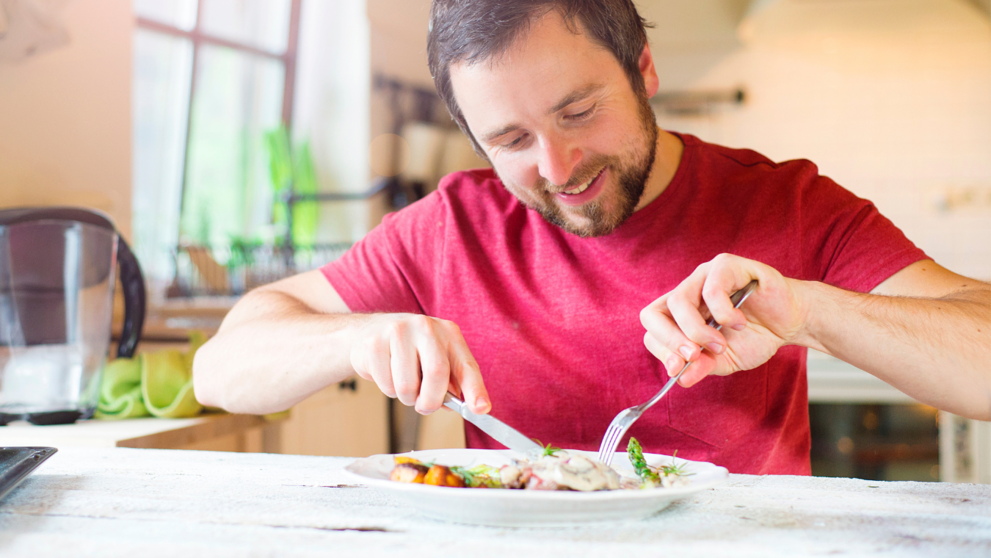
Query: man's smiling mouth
[582, 187]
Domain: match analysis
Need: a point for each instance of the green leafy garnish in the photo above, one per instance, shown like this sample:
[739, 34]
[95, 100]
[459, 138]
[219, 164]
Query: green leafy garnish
[674, 468]
[635, 452]
[549, 450]
[479, 476]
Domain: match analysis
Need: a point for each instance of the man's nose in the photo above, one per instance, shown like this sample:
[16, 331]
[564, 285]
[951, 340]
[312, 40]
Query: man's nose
[558, 160]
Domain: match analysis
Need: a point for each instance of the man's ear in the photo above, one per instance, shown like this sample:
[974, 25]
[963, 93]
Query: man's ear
[646, 63]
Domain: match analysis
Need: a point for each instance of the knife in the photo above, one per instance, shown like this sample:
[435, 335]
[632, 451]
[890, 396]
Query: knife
[500, 431]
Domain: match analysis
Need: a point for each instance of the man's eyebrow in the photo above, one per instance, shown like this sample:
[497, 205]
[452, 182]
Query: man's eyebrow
[489, 137]
[578, 95]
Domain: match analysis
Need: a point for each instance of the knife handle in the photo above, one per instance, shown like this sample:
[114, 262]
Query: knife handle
[455, 404]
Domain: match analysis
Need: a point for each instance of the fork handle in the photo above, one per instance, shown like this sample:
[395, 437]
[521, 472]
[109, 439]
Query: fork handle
[737, 299]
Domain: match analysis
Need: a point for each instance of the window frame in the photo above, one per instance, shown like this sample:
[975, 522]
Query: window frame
[198, 38]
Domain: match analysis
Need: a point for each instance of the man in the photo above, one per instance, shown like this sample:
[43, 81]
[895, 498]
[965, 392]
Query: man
[594, 222]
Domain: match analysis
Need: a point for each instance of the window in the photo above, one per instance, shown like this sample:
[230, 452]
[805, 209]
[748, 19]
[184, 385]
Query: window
[210, 78]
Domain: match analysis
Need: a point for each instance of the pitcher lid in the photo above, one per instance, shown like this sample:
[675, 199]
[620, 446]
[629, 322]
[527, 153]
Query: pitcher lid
[13, 216]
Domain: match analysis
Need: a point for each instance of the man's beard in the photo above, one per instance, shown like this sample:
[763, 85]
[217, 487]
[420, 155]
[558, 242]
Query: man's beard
[592, 218]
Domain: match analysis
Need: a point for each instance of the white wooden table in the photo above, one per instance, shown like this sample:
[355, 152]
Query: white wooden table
[109, 502]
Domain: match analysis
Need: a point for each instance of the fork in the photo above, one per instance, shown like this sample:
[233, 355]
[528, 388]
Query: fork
[622, 422]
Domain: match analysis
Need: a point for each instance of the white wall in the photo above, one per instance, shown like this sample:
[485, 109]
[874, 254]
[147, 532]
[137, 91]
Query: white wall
[65, 116]
[891, 98]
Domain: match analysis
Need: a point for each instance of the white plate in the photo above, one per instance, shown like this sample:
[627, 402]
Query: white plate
[529, 507]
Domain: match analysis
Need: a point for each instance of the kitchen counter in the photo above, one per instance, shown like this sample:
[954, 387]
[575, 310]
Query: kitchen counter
[128, 502]
[221, 431]
[833, 381]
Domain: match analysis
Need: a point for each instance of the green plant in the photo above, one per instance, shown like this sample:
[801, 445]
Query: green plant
[241, 253]
[292, 172]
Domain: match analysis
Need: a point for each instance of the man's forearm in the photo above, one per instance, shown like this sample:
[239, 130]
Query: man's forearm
[935, 350]
[271, 352]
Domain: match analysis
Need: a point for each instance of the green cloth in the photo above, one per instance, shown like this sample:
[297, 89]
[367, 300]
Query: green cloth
[120, 390]
[158, 383]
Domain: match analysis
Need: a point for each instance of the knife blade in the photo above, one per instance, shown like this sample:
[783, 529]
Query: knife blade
[500, 431]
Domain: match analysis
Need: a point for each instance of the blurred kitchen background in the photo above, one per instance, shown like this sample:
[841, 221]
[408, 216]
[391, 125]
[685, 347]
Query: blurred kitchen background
[235, 142]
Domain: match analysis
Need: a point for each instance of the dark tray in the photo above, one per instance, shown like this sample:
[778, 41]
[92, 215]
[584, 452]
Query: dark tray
[17, 463]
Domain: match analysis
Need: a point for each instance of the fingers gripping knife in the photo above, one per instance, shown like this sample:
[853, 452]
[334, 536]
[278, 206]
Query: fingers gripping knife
[627, 417]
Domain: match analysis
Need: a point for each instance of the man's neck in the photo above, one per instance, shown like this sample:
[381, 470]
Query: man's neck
[666, 161]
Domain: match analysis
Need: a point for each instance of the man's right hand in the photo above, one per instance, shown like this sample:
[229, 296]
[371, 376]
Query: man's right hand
[418, 359]
[287, 340]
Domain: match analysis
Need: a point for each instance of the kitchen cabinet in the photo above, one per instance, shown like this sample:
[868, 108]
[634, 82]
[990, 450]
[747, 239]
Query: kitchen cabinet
[440, 430]
[346, 419]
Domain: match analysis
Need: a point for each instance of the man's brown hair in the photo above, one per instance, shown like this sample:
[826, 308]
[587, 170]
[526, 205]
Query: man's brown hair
[473, 31]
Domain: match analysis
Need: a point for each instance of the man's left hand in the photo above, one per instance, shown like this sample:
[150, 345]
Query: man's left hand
[772, 316]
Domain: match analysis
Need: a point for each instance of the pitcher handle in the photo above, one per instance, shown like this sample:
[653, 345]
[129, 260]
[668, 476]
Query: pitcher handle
[134, 299]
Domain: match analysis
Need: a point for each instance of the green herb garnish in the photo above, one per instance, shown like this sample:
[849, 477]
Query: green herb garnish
[674, 468]
[549, 450]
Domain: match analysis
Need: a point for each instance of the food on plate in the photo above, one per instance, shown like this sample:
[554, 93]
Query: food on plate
[409, 471]
[556, 469]
[665, 476]
[439, 475]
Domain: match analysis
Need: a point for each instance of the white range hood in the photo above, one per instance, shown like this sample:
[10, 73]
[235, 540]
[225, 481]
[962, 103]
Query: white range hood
[726, 24]
[770, 18]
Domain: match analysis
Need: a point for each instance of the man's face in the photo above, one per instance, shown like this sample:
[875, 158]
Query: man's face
[562, 126]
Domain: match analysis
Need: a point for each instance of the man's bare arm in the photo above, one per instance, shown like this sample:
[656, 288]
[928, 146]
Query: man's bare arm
[285, 341]
[926, 330]
[275, 348]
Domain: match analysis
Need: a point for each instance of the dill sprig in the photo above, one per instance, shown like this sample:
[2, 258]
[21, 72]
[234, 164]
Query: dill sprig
[675, 468]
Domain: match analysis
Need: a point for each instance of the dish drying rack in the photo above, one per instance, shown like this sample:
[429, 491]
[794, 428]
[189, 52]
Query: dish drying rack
[235, 270]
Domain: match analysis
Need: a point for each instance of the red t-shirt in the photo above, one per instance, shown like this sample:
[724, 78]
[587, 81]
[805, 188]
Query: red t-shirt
[553, 319]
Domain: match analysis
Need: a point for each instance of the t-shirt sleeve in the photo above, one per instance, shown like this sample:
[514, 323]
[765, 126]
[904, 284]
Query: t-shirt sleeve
[848, 243]
[389, 270]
